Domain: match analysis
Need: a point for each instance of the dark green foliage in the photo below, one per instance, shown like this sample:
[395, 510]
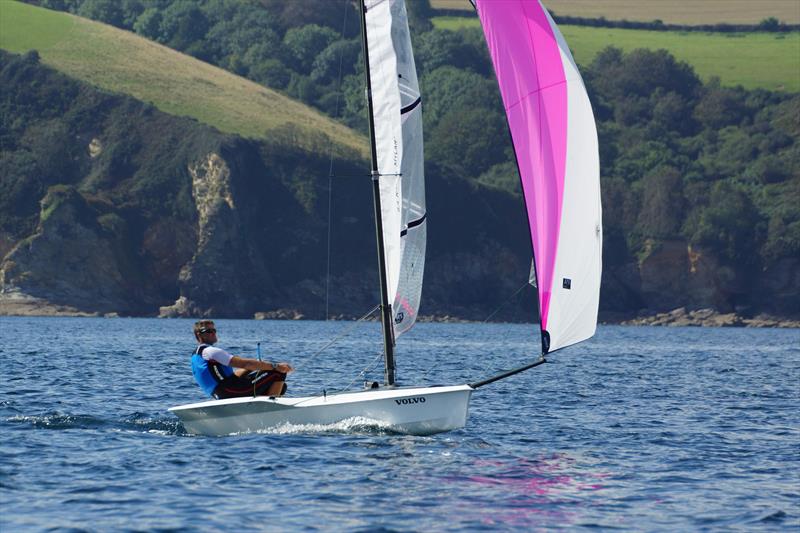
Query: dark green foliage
[37, 148]
[334, 14]
[108, 11]
[448, 88]
[720, 107]
[54, 123]
[337, 59]
[248, 37]
[419, 15]
[661, 214]
[716, 166]
[730, 224]
[270, 72]
[640, 73]
[305, 43]
[466, 141]
[182, 24]
[770, 24]
[438, 48]
[122, 171]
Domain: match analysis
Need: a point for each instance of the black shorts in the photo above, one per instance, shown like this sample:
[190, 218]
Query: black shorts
[252, 384]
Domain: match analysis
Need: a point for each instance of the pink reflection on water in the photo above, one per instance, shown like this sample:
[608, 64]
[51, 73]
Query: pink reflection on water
[530, 492]
[543, 476]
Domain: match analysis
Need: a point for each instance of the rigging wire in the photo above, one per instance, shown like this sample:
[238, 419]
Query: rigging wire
[507, 300]
[330, 171]
[363, 372]
[336, 339]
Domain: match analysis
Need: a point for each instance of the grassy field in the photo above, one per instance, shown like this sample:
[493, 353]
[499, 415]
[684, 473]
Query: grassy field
[752, 60]
[690, 12]
[178, 84]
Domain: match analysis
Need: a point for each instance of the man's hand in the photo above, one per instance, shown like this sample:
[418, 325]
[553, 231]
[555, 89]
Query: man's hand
[284, 367]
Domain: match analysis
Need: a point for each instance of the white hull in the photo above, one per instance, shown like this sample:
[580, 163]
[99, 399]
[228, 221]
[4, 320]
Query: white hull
[415, 411]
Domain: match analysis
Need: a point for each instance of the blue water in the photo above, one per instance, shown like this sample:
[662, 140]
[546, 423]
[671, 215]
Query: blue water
[639, 428]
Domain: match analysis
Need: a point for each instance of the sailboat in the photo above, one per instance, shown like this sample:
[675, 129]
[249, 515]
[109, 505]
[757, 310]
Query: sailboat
[555, 141]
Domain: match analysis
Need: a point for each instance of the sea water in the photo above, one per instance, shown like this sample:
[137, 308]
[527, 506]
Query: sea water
[639, 428]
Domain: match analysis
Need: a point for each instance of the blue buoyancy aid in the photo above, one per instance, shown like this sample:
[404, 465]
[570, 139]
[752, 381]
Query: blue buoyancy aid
[208, 374]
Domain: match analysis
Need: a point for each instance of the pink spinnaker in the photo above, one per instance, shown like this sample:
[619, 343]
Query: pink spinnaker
[547, 107]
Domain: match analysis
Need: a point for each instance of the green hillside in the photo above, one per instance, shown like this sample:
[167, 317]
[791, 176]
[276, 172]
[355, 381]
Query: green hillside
[178, 84]
[691, 12]
[752, 60]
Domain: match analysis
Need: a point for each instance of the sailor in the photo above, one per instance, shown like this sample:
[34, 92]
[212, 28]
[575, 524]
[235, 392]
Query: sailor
[222, 375]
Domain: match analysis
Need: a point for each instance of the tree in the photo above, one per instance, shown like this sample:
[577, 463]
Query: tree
[336, 61]
[719, 107]
[245, 39]
[469, 140]
[661, 212]
[447, 88]
[672, 112]
[270, 72]
[640, 72]
[182, 24]
[108, 11]
[439, 48]
[731, 225]
[337, 15]
[305, 43]
[419, 15]
[784, 239]
[769, 24]
[148, 24]
[638, 157]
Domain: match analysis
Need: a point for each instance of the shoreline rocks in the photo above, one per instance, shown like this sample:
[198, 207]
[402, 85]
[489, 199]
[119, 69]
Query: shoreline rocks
[18, 304]
[710, 318]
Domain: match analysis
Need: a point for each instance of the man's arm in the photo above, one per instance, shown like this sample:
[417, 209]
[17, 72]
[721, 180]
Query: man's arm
[245, 365]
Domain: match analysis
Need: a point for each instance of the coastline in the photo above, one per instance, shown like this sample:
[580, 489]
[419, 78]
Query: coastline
[680, 317]
[711, 318]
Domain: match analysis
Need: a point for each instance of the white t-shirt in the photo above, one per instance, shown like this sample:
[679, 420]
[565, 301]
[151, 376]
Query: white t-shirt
[210, 353]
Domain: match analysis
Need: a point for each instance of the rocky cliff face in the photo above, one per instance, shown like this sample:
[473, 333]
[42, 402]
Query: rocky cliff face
[252, 247]
[221, 256]
[130, 211]
[674, 274]
[77, 262]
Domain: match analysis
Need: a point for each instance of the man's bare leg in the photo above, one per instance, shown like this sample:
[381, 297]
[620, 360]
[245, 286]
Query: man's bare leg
[276, 389]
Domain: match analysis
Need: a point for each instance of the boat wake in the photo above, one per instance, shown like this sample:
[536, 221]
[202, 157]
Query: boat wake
[355, 425]
[149, 424]
[136, 422]
[58, 420]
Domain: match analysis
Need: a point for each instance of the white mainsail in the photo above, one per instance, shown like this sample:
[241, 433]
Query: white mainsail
[397, 115]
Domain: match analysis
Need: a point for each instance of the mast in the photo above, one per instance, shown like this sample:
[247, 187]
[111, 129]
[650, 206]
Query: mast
[386, 308]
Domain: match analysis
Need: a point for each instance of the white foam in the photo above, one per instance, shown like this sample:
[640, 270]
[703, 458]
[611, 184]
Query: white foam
[356, 424]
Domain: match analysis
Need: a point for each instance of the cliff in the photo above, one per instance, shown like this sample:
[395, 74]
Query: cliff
[126, 210]
[110, 206]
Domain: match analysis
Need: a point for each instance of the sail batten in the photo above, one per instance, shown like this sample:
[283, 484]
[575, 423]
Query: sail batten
[555, 142]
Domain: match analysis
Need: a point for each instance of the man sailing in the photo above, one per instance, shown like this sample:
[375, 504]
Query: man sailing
[222, 375]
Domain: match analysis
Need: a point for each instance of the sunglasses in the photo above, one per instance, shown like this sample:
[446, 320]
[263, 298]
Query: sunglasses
[207, 330]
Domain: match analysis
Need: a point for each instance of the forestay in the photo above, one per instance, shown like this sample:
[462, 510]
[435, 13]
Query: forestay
[397, 114]
[555, 141]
